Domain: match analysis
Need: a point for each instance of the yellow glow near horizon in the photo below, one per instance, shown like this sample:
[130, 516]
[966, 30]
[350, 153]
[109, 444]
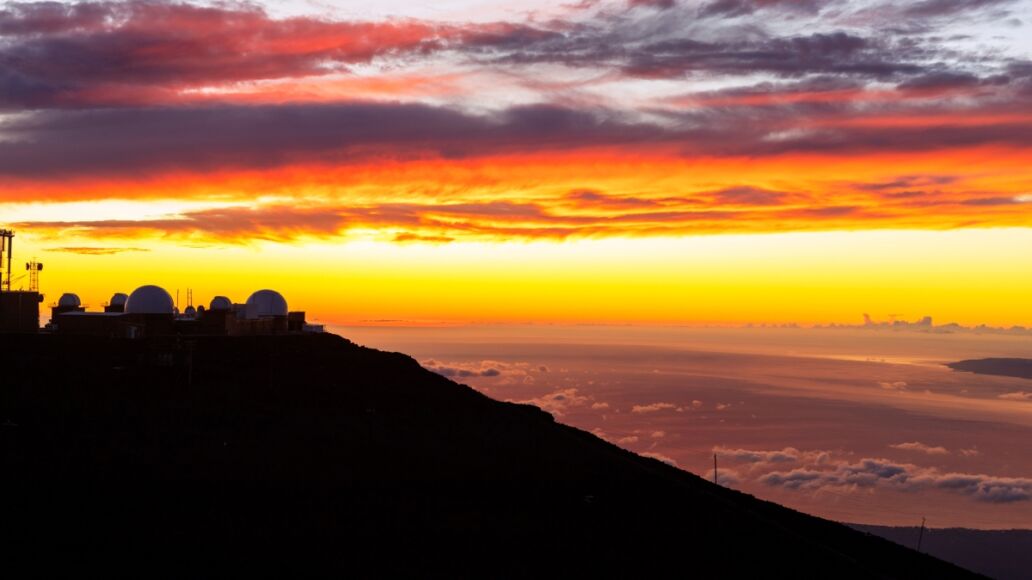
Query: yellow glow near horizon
[967, 276]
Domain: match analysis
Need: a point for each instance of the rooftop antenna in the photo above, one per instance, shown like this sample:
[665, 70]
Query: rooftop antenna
[6, 244]
[34, 267]
[920, 534]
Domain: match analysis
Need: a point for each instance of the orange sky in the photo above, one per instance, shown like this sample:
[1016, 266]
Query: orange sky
[515, 169]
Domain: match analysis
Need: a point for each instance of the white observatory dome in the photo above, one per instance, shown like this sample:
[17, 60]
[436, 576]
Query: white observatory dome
[69, 300]
[220, 303]
[266, 303]
[190, 312]
[149, 300]
[118, 299]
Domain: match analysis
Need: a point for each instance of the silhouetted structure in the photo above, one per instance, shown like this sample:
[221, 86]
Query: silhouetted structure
[117, 302]
[19, 311]
[150, 312]
[6, 247]
[34, 268]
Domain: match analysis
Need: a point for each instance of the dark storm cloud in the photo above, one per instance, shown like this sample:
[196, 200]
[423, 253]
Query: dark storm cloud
[941, 80]
[907, 182]
[752, 196]
[939, 8]
[728, 8]
[990, 201]
[140, 141]
[586, 198]
[937, 137]
[638, 54]
[823, 53]
[658, 4]
[135, 141]
[18, 18]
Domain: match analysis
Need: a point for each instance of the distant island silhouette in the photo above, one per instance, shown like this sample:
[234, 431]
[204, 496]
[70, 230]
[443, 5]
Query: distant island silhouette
[292, 454]
[1005, 367]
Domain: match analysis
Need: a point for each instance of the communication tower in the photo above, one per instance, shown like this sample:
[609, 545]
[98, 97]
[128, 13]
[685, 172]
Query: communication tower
[34, 269]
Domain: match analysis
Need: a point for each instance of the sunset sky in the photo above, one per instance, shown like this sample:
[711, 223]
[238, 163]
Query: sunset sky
[674, 161]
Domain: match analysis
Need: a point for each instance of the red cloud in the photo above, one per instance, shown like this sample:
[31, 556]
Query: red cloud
[149, 52]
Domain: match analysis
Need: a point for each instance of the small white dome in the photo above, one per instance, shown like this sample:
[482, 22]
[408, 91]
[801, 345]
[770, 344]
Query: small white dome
[149, 300]
[190, 312]
[118, 299]
[266, 303]
[69, 300]
[220, 303]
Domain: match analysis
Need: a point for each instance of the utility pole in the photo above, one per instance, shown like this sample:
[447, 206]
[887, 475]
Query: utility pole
[920, 534]
[714, 468]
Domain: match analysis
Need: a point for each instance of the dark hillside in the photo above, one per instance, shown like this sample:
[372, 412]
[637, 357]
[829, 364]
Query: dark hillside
[278, 455]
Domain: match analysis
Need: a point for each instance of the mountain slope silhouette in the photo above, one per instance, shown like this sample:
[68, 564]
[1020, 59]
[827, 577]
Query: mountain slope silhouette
[308, 454]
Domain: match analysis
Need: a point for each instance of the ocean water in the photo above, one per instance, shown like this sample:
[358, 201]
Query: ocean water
[855, 425]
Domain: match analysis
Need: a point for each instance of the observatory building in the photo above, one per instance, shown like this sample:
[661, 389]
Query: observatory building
[151, 311]
[148, 311]
[117, 303]
[68, 302]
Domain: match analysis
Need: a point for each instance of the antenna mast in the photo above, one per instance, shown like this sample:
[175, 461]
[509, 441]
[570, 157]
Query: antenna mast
[714, 468]
[920, 535]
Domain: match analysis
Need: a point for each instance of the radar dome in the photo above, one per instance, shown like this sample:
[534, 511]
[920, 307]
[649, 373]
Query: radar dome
[266, 303]
[118, 299]
[149, 300]
[69, 300]
[220, 303]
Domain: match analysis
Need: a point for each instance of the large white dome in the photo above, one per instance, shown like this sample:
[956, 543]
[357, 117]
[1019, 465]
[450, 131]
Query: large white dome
[69, 300]
[266, 303]
[118, 299]
[150, 300]
[220, 303]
